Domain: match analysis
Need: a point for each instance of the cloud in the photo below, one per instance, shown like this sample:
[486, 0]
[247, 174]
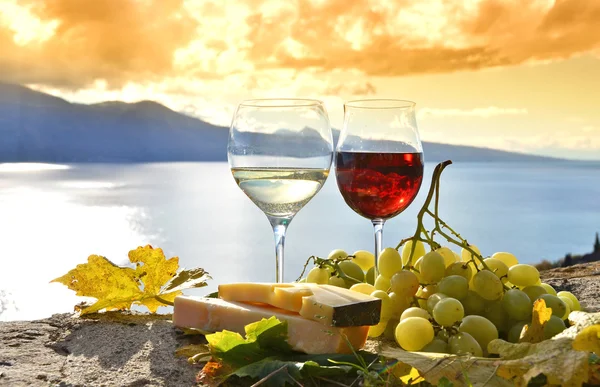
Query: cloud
[486, 112]
[413, 37]
[350, 88]
[116, 41]
[143, 41]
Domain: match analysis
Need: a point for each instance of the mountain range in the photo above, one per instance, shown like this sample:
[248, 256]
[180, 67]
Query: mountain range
[38, 127]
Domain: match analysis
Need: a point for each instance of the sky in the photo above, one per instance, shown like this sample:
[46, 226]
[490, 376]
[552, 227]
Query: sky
[519, 75]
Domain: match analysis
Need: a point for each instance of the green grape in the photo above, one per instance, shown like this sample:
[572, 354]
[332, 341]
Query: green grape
[569, 305]
[514, 333]
[337, 281]
[390, 262]
[495, 313]
[567, 301]
[553, 327]
[423, 294]
[534, 291]
[497, 266]
[559, 308]
[571, 296]
[413, 333]
[447, 254]
[523, 275]
[436, 346]
[517, 305]
[509, 285]
[427, 290]
[418, 268]
[507, 258]
[466, 256]
[448, 311]
[549, 289]
[382, 283]
[318, 275]
[370, 276]
[421, 301]
[454, 286]
[353, 271]
[480, 328]
[419, 251]
[433, 300]
[364, 259]
[432, 268]
[387, 310]
[399, 304]
[487, 285]
[405, 283]
[460, 268]
[337, 254]
[473, 303]
[463, 343]
[413, 311]
[418, 263]
[390, 329]
[377, 330]
[363, 288]
[443, 335]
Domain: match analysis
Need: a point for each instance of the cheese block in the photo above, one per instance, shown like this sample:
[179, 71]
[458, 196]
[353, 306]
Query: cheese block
[215, 314]
[329, 305]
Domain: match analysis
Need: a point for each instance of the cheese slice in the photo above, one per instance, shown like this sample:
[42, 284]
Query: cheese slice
[215, 314]
[329, 305]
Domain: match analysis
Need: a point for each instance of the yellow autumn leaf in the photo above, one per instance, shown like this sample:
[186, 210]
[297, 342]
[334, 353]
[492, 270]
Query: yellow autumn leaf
[518, 363]
[413, 377]
[115, 287]
[154, 282]
[556, 358]
[588, 340]
[154, 270]
[153, 267]
[460, 370]
[534, 333]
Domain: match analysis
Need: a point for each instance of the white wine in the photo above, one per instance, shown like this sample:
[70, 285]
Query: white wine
[280, 192]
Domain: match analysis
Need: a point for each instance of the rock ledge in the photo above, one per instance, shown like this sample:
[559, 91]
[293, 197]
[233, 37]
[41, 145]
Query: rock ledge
[115, 349]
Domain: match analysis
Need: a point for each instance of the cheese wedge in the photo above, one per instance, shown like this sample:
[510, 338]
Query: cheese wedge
[329, 305]
[215, 314]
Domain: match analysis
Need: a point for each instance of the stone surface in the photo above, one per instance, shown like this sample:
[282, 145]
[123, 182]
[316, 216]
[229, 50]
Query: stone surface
[110, 350]
[113, 349]
[582, 280]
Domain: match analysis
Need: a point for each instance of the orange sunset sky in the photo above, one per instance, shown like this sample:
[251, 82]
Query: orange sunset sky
[520, 75]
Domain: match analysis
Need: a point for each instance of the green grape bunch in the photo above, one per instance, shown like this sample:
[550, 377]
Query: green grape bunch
[440, 293]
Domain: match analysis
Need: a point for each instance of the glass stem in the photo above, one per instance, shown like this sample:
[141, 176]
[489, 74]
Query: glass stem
[279, 228]
[378, 227]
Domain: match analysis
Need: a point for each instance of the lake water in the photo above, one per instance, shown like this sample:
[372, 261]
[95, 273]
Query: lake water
[53, 216]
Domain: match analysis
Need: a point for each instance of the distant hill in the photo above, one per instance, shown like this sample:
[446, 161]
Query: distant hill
[37, 127]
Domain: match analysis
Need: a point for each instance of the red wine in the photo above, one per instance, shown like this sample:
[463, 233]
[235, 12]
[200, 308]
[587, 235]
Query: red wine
[379, 185]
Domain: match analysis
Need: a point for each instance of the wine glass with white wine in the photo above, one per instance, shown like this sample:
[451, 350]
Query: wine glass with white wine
[280, 152]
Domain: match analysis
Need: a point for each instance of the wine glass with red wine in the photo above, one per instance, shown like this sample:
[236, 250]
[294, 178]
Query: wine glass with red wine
[379, 160]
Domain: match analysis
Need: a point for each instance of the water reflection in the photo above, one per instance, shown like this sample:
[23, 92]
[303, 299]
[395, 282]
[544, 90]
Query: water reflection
[31, 167]
[43, 234]
[53, 219]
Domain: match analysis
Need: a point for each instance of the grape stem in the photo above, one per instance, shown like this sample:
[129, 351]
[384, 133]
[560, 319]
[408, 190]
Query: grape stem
[435, 179]
[332, 263]
[422, 235]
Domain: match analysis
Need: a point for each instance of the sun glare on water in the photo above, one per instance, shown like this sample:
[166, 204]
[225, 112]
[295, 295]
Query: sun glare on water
[44, 234]
[31, 167]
